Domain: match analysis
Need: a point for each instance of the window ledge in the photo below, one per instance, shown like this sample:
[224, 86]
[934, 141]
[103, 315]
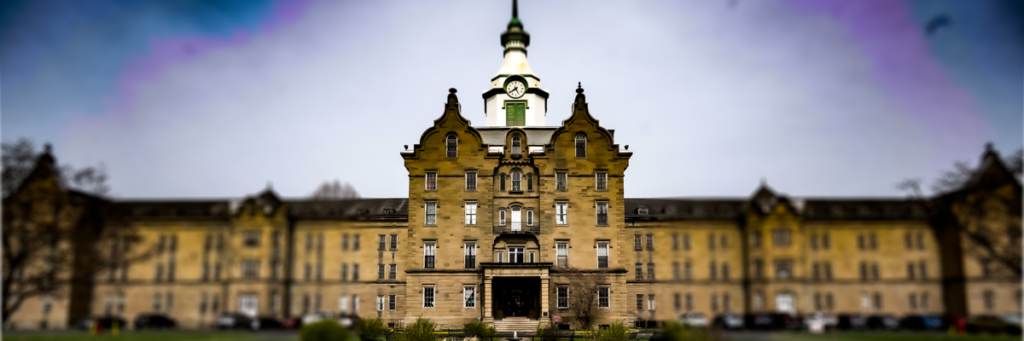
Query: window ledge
[515, 192]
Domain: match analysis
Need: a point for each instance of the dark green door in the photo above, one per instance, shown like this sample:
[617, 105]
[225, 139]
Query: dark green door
[515, 114]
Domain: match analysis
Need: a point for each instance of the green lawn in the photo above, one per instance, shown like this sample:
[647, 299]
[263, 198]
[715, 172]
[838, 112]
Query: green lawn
[145, 336]
[890, 336]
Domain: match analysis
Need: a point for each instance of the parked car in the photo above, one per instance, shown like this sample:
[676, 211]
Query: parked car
[826, 321]
[154, 321]
[692, 319]
[992, 324]
[774, 321]
[105, 322]
[728, 321]
[922, 322]
[883, 322]
[317, 317]
[347, 320]
[266, 323]
[851, 322]
[234, 321]
[291, 322]
[759, 321]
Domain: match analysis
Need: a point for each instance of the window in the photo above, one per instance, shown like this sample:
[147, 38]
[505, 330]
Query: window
[913, 301]
[828, 301]
[603, 297]
[725, 271]
[533, 257]
[581, 145]
[431, 214]
[675, 242]
[394, 242]
[860, 242]
[650, 242]
[561, 213]
[863, 271]
[250, 269]
[380, 302]
[470, 213]
[344, 272]
[216, 271]
[308, 274]
[650, 302]
[714, 302]
[723, 240]
[517, 214]
[686, 241]
[814, 244]
[908, 241]
[711, 241]
[677, 301]
[355, 304]
[382, 242]
[355, 272]
[393, 273]
[688, 270]
[865, 301]
[501, 257]
[637, 242]
[920, 241]
[319, 271]
[758, 300]
[470, 181]
[157, 300]
[825, 244]
[391, 302]
[828, 271]
[516, 145]
[529, 217]
[755, 238]
[878, 300]
[560, 179]
[562, 255]
[529, 182]
[428, 297]
[924, 299]
[675, 271]
[602, 255]
[344, 242]
[309, 242]
[251, 238]
[602, 213]
[563, 297]
[713, 271]
[469, 297]
[817, 301]
[874, 271]
[924, 270]
[355, 241]
[783, 269]
[380, 272]
[650, 271]
[452, 145]
[470, 250]
[515, 254]
[517, 180]
[501, 217]
[910, 270]
[781, 237]
[757, 268]
[725, 301]
[873, 241]
[168, 302]
[501, 182]
[602, 181]
[989, 297]
[639, 271]
[639, 302]
[428, 255]
[431, 181]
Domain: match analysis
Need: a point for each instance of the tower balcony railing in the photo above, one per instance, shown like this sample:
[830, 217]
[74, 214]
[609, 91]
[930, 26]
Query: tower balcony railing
[517, 228]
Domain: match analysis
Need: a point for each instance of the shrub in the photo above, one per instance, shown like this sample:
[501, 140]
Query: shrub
[369, 329]
[422, 330]
[675, 331]
[327, 330]
[615, 332]
[479, 329]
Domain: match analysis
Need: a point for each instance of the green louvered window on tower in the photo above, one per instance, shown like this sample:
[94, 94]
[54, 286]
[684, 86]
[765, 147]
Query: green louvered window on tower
[515, 114]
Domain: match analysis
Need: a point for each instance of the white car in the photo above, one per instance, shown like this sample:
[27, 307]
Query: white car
[821, 320]
[317, 317]
[694, 320]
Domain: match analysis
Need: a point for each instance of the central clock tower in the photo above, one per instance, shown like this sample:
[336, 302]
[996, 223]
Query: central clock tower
[515, 97]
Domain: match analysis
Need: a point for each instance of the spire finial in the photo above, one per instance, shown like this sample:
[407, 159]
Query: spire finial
[989, 147]
[515, 9]
[47, 148]
[579, 87]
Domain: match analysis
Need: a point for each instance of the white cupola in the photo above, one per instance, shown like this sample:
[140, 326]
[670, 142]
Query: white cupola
[514, 97]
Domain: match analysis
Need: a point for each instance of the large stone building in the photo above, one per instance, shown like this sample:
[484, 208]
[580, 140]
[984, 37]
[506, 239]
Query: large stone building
[500, 217]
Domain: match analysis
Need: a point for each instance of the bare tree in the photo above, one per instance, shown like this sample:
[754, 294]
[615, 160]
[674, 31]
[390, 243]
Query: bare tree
[583, 294]
[54, 233]
[335, 190]
[987, 215]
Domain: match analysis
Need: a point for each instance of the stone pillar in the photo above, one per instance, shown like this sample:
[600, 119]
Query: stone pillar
[545, 289]
[487, 299]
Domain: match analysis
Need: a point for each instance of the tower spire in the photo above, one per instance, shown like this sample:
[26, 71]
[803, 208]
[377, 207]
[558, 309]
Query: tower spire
[515, 9]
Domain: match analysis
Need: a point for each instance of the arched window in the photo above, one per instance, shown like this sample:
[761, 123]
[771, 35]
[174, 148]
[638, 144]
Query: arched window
[581, 145]
[517, 178]
[452, 145]
[516, 145]
[517, 218]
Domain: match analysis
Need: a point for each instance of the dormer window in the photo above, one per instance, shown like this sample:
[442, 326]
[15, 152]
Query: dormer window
[641, 211]
[516, 145]
[581, 145]
[452, 145]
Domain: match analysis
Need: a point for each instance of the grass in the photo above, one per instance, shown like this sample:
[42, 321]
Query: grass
[144, 336]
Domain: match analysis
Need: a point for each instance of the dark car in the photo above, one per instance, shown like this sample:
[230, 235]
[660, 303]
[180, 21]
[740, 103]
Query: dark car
[104, 322]
[759, 321]
[774, 321]
[922, 322]
[154, 321]
[882, 322]
[234, 321]
[728, 321]
[852, 322]
[992, 324]
[266, 323]
[291, 322]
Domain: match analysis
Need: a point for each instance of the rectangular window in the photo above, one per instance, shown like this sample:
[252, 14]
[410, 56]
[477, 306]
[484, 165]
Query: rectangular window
[910, 271]
[515, 255]
[501, 182]
[725, 301]
[828, 271]
[428, 255]
[517, 181]
[561, 213]
[714, 302]
[924, 270]
[913, 301]
[602, 255]
[319, 271]
[470, 181]
[529, 217]
[382, 242]
[638, 242]
[825, 244]
[344, 272]
[873, 241]
[675, 241]
[344, 242]
[603, 297]
[250, 269]
[816, 271]
[355, 304]
[723, 240]
[470, 252]
[563, 297]
[711, 241]
[602, 213]
[501, 217]
[863, 271]
[469, 297]
[380, 272]
[755, 238]
[650, 242]
[393, 272]
[828, 301]
[686, 242]
[639, 271]
[713, 271]
[650, 302]
[501, 257]
[562, 255]
[814, 247]
[251, 238]
[650, 271]
[874, 271]
[924, 299]
[560, 178]
[392, 302]
[380, 302]
[355, 242]
[781, 237]
[677, 301]
[688, 270]
[394, 242]
[878, 301]
[308, 274]
[428, 297]
[725, 271]
[860, 242]
[920, 241]
[639, 302]
[431, 181]
[431, 213]
[757, 268]
[908, 241]
[529, 182]
[355, 272]
[602, 181]
[783, 269]
[470, 213]
[675, 271]
[533, 257]
[817, 301]
[309, 242]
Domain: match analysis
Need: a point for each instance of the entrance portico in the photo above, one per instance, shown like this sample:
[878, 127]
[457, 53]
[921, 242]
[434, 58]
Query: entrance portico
[516, 290]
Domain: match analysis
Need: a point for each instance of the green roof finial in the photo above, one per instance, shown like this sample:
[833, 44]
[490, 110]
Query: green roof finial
[515, 9]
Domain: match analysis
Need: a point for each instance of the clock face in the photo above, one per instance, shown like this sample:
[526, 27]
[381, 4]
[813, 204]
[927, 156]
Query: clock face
[515, 88]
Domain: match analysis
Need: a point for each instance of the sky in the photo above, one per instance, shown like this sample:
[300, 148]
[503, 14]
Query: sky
[218, 98]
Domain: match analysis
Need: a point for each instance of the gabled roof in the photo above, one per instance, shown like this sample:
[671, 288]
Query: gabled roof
[535, 136]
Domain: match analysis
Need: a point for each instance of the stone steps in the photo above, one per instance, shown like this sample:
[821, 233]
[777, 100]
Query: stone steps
[516, 324]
